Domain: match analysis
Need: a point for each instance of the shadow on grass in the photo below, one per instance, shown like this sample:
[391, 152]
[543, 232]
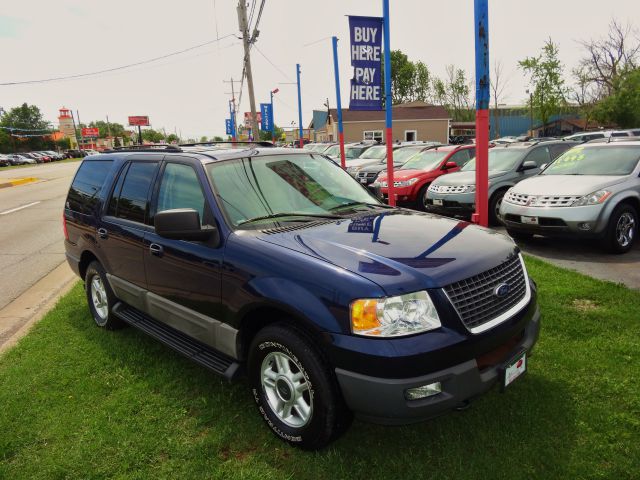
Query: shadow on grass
[524, 433]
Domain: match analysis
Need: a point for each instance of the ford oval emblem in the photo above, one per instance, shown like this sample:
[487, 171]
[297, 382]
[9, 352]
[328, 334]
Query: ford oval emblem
[502, 290]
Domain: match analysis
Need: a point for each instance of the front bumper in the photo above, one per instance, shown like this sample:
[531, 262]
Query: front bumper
[453, 205]
[588, 221]
[382, 400]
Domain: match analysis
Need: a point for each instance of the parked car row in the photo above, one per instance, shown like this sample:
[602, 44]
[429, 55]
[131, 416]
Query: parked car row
[44, 156]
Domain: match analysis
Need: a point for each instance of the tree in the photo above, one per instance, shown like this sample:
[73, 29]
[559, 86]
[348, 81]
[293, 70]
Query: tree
[266, 135]
[218, 138]
[608, 57]
[410, 81]
[622, 107]
[108, 129]
[545, 75]
[172, 138]
[203, 139]
[454, 93]
[421, 85]
[585, 93]
[498, 84]
[24, 128]
[153, 136]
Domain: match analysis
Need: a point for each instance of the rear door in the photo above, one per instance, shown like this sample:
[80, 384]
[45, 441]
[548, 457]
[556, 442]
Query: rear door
[122, 228]
[183, 277]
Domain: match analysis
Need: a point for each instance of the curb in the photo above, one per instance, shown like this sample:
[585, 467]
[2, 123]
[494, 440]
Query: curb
[17, 317]
[17, 181]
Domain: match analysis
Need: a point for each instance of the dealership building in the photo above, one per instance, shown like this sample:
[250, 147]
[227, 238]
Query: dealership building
[411, 121]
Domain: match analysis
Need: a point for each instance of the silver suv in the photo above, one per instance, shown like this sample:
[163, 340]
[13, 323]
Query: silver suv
[454, 194]
[592, 191]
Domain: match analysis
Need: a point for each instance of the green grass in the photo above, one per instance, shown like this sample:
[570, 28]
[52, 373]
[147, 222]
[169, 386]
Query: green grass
[11, 167]
[79, 402]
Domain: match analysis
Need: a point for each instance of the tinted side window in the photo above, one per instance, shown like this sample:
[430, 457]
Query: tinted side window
[540, 155]
[558, 149]
[459, 158]
[87, 184]
[132, 198]
[180, 188]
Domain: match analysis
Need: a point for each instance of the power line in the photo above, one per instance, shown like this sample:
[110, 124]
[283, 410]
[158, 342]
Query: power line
[255, 28]
[272, 64]
[143, 62]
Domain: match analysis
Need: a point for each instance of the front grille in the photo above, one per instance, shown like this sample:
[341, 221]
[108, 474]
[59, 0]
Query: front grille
[448, 188]
[541, 200]
[475, 300]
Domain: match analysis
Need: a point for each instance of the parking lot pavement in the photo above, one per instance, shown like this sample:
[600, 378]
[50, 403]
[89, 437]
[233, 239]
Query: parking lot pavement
[587, 257]
[31, 239]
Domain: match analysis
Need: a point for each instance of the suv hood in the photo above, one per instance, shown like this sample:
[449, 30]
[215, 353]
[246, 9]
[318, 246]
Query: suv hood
[464, 178]
[400, 250]
[566, 184]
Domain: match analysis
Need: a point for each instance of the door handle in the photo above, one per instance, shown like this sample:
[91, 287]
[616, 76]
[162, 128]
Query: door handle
[102, 233]
[156, 249]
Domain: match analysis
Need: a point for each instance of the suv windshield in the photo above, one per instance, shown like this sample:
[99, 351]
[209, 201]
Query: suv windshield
[353, 152]
[375, 153]
[250, 189]
[500, 159]
[601, 160]
[333, 151]
[427, 160]
[403, 154]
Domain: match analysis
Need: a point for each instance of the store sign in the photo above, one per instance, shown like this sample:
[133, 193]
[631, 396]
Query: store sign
[267, 117]
[227, 124]
[90, 132]
[366, 60]
[247, 118]
[139, 121]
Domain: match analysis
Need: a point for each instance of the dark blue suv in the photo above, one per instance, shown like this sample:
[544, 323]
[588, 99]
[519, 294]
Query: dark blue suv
[275, 262]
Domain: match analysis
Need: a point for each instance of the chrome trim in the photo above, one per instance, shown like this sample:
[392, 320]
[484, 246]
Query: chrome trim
[505, 315]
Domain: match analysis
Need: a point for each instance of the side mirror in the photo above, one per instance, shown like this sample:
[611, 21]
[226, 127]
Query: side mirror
[181, 224]
[528, 166]
[450, 165]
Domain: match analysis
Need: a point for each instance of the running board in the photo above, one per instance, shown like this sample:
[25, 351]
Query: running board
[202, 354]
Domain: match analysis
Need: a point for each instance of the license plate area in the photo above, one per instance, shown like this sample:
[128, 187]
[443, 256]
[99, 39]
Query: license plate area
[529, 220]
[514, 369]
[437, 201]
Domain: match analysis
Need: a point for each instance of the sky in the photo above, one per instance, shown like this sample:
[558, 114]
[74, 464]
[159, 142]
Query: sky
[41, 39]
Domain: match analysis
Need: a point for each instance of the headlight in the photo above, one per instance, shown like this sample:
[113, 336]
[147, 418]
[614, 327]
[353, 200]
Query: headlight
[406, 183]
[592, 199]
[384, 184]
[394, 316]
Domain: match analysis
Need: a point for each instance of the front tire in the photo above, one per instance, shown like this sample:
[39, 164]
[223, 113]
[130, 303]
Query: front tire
[101, 298]
[421, 200]
[294, 388]
[494, 208]
[621, 230]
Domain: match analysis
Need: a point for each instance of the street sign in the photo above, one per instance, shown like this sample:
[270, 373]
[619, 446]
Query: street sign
[366, 60]
[90, 132]
[266, 114]
[247, 118]
[227, 124]
[139, 121]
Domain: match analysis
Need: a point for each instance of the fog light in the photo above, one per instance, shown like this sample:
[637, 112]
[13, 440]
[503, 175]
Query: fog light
[423, 392]
[584, 226]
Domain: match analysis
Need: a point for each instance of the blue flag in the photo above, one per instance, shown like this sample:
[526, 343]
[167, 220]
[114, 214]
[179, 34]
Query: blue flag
[266, 122]
[227, 124]
[366, 60]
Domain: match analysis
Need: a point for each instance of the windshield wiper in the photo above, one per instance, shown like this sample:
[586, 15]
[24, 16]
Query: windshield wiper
[356, 204]
[290, 214]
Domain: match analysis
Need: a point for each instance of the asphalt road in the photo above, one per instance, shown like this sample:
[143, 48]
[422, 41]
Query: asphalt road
[31, 239]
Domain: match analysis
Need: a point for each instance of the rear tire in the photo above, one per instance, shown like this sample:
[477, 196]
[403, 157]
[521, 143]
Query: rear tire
[101, 298]
[622, 229]
[295, 389]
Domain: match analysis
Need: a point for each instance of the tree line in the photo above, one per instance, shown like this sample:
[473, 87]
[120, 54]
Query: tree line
[605, 87]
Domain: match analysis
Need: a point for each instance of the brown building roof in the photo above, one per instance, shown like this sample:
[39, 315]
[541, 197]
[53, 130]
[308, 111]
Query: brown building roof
[400, 112]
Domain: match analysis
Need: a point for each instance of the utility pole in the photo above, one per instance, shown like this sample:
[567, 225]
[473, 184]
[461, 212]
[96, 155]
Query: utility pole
[80, 127]
[244, 28]
[234, 109]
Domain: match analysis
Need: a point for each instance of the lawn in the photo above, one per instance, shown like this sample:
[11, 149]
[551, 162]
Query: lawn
[79, 402]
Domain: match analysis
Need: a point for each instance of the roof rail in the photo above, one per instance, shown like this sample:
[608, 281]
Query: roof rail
[147, 148]
[259, 143]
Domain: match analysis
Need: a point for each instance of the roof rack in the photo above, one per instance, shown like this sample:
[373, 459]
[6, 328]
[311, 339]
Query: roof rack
[147, 148]
[259, 143]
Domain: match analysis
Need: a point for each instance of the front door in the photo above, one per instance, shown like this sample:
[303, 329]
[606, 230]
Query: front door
[183, 277]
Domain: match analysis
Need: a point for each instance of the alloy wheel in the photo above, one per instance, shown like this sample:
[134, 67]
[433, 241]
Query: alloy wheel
[99, 297]
[625, 229]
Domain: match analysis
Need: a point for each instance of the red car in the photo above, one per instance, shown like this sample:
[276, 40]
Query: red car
[414, 177]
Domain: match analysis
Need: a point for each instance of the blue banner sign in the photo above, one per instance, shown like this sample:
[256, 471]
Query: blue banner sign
[227, 124]
[366, 60]
[266, 122]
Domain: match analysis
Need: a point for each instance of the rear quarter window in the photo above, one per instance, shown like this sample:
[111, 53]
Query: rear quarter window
[84, 193]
